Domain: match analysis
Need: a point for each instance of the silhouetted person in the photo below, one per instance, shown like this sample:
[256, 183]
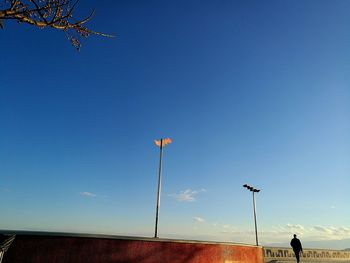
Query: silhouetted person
[297, 248]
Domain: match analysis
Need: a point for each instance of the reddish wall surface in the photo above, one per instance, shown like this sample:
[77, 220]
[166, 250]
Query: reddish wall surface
[62, 249]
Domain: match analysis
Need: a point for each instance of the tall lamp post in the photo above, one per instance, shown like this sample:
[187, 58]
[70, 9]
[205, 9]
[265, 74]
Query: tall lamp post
[254, 190]
[160, 143]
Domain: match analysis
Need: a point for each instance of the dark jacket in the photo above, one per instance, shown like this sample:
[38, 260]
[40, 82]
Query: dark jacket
[296, 245]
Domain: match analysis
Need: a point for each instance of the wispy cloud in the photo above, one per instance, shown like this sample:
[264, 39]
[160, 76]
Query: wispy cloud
[323, 229]
[88, 194]
[312, 233]
[333, 232]
[198, 219]
[187, 195]
[278, 235]
[299, 229]
[224, 228]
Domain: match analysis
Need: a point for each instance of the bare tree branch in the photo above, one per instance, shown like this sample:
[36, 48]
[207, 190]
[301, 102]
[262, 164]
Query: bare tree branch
[56, 14]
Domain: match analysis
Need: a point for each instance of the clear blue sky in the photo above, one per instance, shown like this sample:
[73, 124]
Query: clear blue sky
[253, 92]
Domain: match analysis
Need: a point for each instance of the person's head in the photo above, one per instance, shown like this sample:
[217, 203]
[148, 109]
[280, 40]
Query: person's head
[295, 235]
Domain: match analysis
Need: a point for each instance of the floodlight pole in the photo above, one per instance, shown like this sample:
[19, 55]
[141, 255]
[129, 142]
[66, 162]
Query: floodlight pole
[256, 227]
[254, 190]
[159, 187]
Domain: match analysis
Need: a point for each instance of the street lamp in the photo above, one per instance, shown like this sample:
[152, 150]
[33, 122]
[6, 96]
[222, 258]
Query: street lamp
[160, 143]
[254, 190]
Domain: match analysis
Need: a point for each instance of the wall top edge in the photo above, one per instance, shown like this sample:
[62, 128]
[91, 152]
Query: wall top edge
[116, 237]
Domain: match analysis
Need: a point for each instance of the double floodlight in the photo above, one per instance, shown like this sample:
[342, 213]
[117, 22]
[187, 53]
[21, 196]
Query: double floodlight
[251, 188]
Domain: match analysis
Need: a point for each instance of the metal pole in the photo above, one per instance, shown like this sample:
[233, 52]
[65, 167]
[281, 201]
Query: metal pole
[256, 227]
[159, 187]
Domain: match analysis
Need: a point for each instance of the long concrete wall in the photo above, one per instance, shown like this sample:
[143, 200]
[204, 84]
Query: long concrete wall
[65, 248]
[276, 255]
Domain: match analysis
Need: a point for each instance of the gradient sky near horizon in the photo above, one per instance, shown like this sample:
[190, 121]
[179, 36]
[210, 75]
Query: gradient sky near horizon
[253, 92]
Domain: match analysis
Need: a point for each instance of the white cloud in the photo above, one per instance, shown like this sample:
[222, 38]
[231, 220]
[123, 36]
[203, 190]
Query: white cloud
[312, 233]
[278, 235]
[323, 229]
[88, 194]
[344, 230]
[188, 195]
[198, 219]
[333, 232]
[224, 228]
[298, 229]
